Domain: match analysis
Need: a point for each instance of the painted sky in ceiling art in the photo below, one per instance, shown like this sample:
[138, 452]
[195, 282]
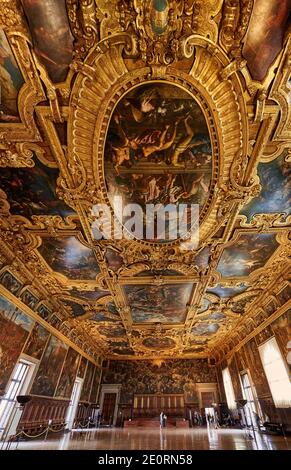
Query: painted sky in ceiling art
[69, 257]
[275, 178]
[11, 81]
[248, 253]
[151, 303]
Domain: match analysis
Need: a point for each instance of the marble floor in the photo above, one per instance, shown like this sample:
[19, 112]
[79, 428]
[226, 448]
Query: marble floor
[155, 439]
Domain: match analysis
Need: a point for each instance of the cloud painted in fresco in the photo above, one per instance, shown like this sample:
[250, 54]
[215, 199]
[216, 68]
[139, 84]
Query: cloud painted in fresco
[250, 252]
[225, 292]
[69, 257]
[275, 178]
[151, 303]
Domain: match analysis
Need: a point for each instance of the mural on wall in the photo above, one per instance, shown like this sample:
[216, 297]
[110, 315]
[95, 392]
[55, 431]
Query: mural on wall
[82, 368]
[249, 358]
[50, 367]
[11, 81]
[29, 299]
[284, 295]
[87, 385]
[234, 373]
[158, 149]
[14, 330]
[32, 191]
[69, 257]
[68, 375]
[248, 253]
[10, 282]
[275, 196]
[51, 35]
[172, 376]
[36, 342]
[95, 386]
[44, 312]
[282, 330]
[150, 303]
[264, 38]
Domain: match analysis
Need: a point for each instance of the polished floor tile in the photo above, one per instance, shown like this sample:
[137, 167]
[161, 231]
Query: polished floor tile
[155, 439]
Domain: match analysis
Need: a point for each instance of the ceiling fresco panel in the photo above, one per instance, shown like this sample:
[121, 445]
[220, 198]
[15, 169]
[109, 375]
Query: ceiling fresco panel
[51, 35]
[265, 35]
[248, 253]
[32, 191]
[11, 81]
[275, 196]
[68, 256]
[158, 149]
[167, 304]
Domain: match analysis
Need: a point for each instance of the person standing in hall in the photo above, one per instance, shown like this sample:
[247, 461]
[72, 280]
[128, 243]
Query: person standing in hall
[164, 421]
[161, 419]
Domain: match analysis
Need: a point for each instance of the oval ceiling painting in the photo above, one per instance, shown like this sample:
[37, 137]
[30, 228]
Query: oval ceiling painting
[158, 156]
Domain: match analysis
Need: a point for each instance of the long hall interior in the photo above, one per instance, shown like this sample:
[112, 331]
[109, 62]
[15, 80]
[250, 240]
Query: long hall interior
[145, 191]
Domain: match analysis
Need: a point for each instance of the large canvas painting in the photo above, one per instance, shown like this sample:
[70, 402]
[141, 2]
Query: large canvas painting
[282, 330]
[264, 38]
[166, 304]
[158, 148]
[87, 385]
[82, 368]
[10, 282]
[50, 368]
[32, 191]
[275, 196]
[69, 257]
[250, 359]
[68, 375]
[36, 342]
[248, 253]
[14, 330]
[234, 373]
[171, 376]
[51, 35]
[11, 81]
[95, 387]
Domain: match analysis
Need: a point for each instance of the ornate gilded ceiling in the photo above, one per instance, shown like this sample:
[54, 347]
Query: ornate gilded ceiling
[154, 101]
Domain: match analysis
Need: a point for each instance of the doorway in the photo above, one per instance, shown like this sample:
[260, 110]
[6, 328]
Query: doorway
[109, 401]
[108, 409]
[75, 397]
